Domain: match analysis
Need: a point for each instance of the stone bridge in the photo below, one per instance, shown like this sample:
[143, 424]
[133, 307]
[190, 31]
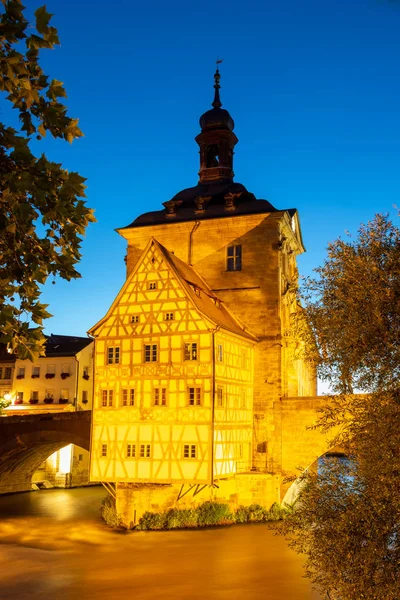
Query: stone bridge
[26, 441]
[301, 445]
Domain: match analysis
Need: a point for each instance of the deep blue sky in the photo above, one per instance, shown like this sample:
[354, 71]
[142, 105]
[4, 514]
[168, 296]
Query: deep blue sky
[313, 87]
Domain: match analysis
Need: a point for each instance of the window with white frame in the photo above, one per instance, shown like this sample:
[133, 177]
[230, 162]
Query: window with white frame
[189, 451]
[66, 368]
[234, 258]
[113, 353]
[194, 396]
[35, 395]
[103, 450]
[51, 370]
[150, 353]
[49, 394]
[35, 371]
[220, 353]
[145, 450]
[190, 351]
[128, 397]
[21, 373]
[64, 394]
[220, 397]
[130, 450]
[132, 397]
[107, 397]
[169, 316]
[160, 396]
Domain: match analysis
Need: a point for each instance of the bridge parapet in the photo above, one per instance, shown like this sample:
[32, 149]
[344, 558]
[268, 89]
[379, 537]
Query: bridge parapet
[302, 443]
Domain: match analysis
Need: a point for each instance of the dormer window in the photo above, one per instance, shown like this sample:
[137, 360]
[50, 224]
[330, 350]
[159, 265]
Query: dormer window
[169, 316]
[152, 285]
[135, 319]
[234, 258]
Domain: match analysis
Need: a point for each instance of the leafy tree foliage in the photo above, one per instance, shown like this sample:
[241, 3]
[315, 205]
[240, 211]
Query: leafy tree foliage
[43, 215]
[347, 517]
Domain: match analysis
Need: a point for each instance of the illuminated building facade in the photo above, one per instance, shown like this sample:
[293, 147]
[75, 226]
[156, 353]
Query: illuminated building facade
[198, 349]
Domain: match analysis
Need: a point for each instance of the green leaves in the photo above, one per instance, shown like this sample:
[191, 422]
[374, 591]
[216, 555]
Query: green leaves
[34, 191]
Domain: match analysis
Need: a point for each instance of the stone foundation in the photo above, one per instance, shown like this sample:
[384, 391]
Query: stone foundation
[132, 500]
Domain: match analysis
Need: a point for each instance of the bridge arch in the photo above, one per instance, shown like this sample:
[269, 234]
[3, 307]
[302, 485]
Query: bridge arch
[293, 491]
[27, 441]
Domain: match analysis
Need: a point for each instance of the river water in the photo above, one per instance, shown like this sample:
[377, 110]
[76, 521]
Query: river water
[54, 546]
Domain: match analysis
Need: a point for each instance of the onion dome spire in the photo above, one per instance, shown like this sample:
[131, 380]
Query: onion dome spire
[217, 101]
[216, 140]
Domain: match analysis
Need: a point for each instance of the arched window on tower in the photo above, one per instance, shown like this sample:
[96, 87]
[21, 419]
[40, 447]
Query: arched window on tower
[212, 155]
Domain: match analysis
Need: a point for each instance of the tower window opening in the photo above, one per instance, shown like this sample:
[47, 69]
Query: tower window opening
[212, 156]
[234, 258]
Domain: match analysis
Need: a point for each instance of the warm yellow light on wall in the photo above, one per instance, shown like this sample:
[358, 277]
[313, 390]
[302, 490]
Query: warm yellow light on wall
[64, 465]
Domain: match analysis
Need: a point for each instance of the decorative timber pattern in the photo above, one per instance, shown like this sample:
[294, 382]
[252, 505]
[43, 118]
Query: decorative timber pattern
[173, 396]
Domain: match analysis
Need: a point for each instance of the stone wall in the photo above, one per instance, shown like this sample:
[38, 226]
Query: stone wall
[245, 489]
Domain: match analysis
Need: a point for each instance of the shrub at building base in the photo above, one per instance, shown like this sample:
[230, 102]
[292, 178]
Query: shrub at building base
[210, 514]
[108, 512]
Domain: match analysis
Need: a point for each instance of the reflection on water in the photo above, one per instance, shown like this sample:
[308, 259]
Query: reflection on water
[54, 546]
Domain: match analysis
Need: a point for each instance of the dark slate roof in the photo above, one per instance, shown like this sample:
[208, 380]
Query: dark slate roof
[65, 345]
[186, 209]
[216, 118]
[6, 357]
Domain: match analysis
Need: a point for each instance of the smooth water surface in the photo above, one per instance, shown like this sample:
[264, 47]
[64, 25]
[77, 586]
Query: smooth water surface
[54, 546]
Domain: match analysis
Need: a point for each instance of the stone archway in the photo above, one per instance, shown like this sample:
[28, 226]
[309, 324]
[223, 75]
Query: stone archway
[293, 491]
[26, 442]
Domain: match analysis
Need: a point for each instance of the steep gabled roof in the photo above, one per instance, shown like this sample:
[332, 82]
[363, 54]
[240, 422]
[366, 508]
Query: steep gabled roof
[195, 287]
[204, 299]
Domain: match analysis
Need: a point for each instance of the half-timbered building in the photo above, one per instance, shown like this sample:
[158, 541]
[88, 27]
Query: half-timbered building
[198, 352]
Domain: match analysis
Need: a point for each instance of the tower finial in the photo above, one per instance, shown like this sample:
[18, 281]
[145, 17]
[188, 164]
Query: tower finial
[217, 101]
